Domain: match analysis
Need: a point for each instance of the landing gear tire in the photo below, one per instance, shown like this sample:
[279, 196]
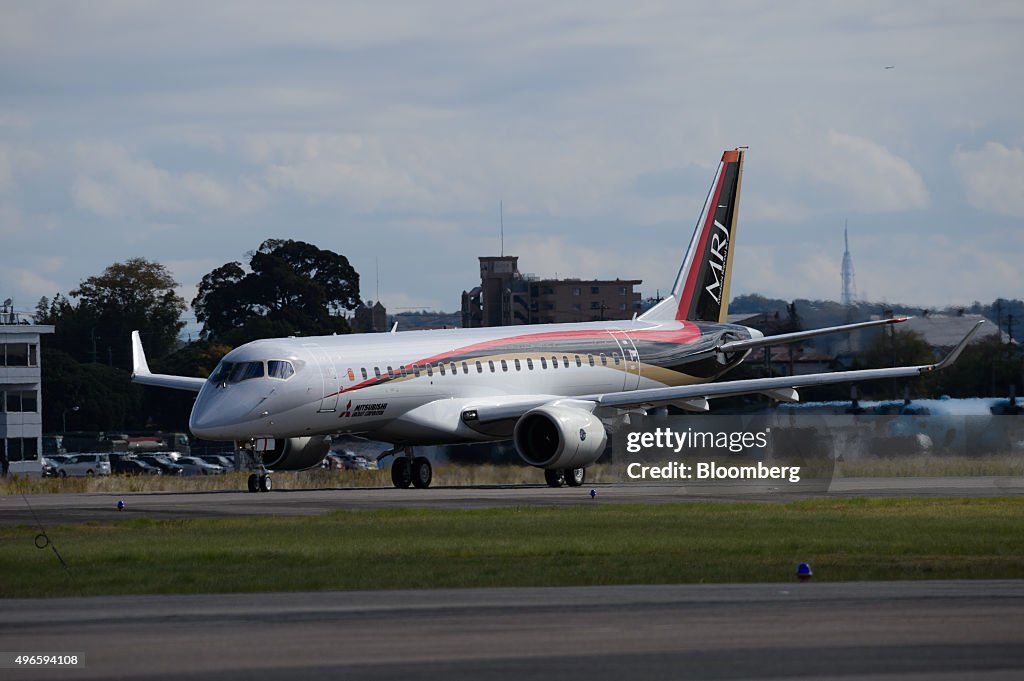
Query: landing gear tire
[554, 477]
[254, 483]
[422, 472]
[401, 472]
[265, 483]
[574, 477]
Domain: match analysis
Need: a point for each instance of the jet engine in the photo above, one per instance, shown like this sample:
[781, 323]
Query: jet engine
[296, 453]
[559, 437]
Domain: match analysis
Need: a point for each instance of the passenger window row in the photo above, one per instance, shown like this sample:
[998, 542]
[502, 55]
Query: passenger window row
[453, 368]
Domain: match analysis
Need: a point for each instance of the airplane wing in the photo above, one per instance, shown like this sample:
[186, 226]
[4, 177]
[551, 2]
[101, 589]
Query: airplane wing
[141, 373]
[781, 387]
[736, 346]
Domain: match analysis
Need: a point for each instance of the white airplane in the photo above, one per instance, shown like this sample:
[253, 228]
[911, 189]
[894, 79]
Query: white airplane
[554, 389]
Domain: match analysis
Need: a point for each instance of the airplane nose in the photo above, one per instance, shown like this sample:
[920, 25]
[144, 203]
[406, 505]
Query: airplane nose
[205, 424]
[215, 416]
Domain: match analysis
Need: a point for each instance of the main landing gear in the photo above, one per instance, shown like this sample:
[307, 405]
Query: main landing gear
[260, 482]
[409, 469]
[573, 477]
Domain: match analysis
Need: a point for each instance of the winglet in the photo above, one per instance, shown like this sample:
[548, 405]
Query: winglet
[141, 373]
[139, 365]
[955, 352]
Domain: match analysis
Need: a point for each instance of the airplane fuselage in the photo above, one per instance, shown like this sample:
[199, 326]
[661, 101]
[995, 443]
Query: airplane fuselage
[413, 386]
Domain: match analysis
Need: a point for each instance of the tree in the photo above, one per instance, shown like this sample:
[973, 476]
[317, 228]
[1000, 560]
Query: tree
[291, 289]
[105, 397]
[897, 349]
[136, 294]
[987, 368]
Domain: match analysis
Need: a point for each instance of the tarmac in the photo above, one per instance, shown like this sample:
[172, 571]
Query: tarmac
[880, 630]
[56, 509]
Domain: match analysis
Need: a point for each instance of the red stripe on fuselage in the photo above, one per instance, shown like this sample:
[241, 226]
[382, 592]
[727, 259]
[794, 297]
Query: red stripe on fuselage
[687, 334]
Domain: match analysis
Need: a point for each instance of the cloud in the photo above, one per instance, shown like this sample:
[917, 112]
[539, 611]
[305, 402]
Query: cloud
[891, 266]
[370, 128]
[870, 177]
[6, 169]
[761, 207]
[356, 169]
[111, 182]
[11, 220]
[27, 282]
[548, 256]
[993, 178]
[15, 160]
[50, 264]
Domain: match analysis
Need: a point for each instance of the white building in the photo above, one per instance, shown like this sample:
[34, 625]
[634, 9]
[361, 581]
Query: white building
[21, 404]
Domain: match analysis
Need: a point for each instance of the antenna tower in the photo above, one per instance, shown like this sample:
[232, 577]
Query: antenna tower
[849, 294]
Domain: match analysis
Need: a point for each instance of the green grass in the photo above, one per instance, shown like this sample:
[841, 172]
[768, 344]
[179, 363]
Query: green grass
[850, 539]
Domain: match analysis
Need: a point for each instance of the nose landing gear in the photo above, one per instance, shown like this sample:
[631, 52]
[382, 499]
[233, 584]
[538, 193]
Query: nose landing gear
[260, 482]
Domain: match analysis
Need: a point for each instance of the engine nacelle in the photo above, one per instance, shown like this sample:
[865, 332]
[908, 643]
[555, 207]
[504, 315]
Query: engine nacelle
[559, 437]
[296, 453]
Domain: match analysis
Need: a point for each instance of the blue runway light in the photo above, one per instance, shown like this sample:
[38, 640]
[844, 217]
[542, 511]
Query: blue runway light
[803, 572]
[120, 505]
[593, 493]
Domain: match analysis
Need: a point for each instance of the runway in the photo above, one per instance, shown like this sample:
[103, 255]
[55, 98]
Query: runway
[884, 630]
[53, 509]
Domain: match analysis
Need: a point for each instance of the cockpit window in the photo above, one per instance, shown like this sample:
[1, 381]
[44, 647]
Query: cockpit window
[243, 371]
[221, 373]
[236, 372]
[278, 368]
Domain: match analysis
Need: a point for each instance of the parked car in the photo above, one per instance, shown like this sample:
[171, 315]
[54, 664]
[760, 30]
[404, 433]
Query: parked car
[117, 459]
[85, 464]
[166, 466]
[346, 461]
[136, 467]
[219, 460]
[50, 463]
[193, 465]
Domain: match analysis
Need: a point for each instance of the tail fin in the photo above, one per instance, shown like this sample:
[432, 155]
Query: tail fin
[701, 290]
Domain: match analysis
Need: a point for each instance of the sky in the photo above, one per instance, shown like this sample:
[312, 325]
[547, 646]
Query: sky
[390, 132]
